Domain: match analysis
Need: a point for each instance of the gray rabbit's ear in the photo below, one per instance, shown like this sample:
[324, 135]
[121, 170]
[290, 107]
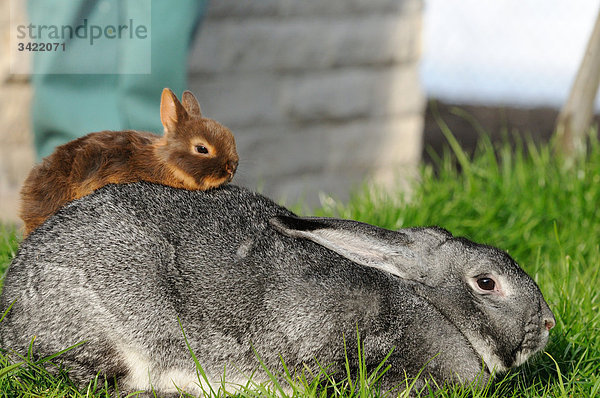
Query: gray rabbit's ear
[365, 244]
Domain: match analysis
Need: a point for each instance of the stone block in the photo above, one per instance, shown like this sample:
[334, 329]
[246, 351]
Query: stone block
[291, 8]
[9, 203]
[16, 162]
[243, 9]
[238, 99]
[332, 95]
[14, 114]
[353, 93]
[306, 44]
[349, 7]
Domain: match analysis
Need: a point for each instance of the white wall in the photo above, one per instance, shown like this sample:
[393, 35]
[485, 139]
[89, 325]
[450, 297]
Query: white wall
[519, 52]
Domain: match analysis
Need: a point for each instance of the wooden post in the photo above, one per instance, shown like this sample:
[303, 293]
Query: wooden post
[576, 115]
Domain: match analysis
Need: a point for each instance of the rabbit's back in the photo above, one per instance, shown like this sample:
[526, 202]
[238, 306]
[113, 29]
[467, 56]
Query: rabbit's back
[121, 267]
[114, 269]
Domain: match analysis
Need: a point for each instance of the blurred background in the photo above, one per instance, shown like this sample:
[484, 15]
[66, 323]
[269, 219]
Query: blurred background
[325, 95]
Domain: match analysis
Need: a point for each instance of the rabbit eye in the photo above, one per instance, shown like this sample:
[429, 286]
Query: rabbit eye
[486, 283]
[201, 149]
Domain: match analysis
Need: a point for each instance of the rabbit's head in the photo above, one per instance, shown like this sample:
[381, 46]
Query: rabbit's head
[478, 288]
[198, 150]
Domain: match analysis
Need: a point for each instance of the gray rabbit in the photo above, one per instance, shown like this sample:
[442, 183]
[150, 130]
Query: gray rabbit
[120, 268]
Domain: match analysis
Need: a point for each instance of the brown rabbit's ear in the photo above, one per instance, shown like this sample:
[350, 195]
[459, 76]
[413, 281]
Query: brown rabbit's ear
[190, 103]
[171, 111]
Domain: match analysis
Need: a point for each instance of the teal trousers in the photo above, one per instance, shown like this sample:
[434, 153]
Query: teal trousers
[109, 83]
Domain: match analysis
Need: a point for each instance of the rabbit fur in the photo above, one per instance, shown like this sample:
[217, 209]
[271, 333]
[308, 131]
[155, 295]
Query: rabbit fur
[194, 153]
[120, 267]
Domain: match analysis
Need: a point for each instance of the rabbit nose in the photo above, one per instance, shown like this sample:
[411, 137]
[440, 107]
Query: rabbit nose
[231, 166]
[547, 316]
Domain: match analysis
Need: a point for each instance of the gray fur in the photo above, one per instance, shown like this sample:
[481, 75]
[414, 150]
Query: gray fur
[118, 269]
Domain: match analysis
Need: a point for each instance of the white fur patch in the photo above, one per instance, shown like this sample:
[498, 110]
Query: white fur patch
[169, 380]
[505, 287]
[244, 248]
[522, 356]
[491, 360]
[139, 368]
[143, 376]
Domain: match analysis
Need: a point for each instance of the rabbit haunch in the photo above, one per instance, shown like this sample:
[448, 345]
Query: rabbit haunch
[119, 267]
[194, 153]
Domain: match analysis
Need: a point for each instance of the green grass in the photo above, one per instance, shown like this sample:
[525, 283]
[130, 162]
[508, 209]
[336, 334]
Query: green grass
[524, 200]
[9, 241]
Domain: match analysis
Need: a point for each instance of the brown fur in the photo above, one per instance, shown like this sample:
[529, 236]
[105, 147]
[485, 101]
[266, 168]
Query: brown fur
[81, 166]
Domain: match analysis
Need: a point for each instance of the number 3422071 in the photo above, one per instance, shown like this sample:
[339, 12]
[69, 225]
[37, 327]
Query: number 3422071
[41, 46]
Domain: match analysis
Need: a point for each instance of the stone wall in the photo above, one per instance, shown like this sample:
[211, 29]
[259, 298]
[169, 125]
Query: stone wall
[321, 95]
[16, 151]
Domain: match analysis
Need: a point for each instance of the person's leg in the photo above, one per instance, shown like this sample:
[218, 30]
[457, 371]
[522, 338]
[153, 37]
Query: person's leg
[66, 106]
[173, 27]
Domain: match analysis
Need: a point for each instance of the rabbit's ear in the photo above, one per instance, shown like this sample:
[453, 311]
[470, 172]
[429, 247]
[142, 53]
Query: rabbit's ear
[365, 244]
[190, 103]
[171, 111]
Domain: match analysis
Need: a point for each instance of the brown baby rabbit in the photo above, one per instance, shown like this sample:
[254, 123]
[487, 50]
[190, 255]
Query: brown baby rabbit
[194, 153]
